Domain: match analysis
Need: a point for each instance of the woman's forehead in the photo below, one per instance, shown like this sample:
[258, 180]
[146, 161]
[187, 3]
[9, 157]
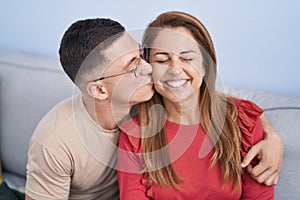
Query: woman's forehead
[175, 40]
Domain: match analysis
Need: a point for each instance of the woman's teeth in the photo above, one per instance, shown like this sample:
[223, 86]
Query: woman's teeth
[176, 83]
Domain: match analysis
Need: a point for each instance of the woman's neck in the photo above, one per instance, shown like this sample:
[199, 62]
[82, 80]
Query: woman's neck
[184, 113]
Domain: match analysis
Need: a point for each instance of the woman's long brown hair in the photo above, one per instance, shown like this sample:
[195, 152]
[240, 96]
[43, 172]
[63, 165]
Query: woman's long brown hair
[218, 113]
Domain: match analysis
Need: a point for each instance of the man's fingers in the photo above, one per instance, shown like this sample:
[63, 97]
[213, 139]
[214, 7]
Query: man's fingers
[252, 153]
[272, 180]
[257, 170]
[265, 177]
[264, 173]
[276, 179]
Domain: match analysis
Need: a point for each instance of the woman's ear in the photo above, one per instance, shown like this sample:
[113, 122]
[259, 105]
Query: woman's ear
[97, 90]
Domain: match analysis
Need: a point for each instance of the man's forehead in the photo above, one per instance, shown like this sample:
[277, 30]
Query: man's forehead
[122, 46]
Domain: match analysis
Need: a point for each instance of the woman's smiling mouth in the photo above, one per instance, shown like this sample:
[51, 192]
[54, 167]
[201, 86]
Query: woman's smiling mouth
[176, 83]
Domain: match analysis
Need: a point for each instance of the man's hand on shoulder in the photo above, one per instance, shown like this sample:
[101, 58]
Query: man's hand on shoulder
[270, 153]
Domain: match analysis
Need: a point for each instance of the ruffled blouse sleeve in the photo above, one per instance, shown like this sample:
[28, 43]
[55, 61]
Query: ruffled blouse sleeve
[249, 122]
[251, 133]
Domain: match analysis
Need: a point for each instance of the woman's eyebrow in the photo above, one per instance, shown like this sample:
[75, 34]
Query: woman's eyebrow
[185, 52]
[181, 53]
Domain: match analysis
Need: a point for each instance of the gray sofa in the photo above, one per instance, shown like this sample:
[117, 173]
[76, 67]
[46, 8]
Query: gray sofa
[30, 85]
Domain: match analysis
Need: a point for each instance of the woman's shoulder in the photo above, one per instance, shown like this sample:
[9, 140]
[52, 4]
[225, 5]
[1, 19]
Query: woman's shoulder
[130, 134]
[248, 120]
[248, 113]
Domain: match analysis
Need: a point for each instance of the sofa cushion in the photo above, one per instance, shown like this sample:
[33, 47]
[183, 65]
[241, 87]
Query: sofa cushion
[29, 86]
[283, 112]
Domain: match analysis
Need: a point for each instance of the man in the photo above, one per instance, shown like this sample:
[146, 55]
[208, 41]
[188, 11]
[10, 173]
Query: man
[72, 152]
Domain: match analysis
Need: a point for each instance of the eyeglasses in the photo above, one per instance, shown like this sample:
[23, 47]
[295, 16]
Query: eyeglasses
[136, 64]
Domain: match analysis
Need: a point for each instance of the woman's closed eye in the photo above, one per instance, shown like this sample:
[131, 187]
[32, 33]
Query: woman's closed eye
[187, 59]
[161, 61]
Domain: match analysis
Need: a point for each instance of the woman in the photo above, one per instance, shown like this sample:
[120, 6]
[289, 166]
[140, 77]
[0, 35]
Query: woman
[193, 151]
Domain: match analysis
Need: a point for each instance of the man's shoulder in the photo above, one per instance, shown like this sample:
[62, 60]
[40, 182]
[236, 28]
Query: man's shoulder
[57, 121]
[56, 135]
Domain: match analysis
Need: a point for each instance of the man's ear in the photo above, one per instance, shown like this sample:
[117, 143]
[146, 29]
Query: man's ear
[97, 90]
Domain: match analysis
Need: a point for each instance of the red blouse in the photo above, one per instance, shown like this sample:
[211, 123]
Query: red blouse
[190, 152]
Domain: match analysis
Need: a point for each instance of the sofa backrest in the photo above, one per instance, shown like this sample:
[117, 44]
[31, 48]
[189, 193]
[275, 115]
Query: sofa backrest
[29, 86]
[283, 112]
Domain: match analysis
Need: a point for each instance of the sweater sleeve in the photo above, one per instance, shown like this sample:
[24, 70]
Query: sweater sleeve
[130, 165]
[251, 133]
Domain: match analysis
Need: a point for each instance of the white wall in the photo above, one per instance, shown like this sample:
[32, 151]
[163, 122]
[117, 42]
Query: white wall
[257, 41]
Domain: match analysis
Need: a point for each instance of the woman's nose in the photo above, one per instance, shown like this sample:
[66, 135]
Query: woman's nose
[175, 67]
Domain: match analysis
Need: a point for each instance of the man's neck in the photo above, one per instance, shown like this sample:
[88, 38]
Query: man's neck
[103, 114]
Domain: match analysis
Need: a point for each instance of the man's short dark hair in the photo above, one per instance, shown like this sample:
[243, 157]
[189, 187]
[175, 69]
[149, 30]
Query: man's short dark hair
[82, 37]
